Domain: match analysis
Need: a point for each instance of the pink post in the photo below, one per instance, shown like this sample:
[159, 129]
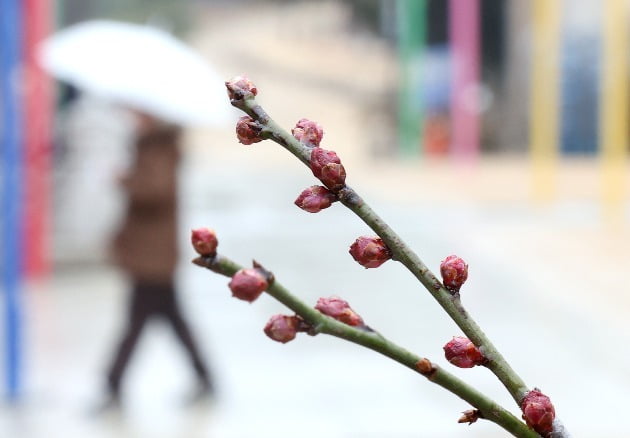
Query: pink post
[37, 141]
[464, 27]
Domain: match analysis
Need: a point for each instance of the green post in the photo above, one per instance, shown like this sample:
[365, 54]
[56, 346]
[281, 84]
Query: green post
[411, 17]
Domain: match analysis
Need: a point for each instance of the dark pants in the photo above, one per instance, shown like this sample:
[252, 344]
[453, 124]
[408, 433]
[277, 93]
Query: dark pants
[158, 301]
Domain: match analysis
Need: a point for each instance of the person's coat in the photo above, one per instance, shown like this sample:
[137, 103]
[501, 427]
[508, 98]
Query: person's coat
[146, 244]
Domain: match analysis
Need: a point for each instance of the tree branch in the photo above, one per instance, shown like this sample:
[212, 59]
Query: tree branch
[490, 410]
[327, 167]
[400, 251]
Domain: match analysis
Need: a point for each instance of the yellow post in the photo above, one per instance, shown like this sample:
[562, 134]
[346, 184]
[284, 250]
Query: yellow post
[614, 113]
[544, 96]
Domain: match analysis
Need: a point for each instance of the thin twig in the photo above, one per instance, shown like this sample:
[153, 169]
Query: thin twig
[490, 410]
[401, 252]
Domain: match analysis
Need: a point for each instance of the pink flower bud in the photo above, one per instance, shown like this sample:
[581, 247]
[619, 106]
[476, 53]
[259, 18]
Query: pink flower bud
[462, 353]
[315, 199]
[340, 310]
[282, 328]
[454, 272]
[308, 132]
[248, 284]
[327, 166]
[370, 252]
[239, 87]
[248, 130]
[538, 412]
[204, 240]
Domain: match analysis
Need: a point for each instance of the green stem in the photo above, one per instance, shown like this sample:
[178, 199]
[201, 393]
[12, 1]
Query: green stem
[451, 303]
[400, 251]
[490, 410]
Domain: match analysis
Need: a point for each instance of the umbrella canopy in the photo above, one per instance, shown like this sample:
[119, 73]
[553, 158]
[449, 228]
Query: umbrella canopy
[139, 66]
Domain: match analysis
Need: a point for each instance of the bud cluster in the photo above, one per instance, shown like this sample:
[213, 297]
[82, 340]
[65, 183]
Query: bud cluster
[327, 167]
[340, 310]
[370, 252]
[462, 353]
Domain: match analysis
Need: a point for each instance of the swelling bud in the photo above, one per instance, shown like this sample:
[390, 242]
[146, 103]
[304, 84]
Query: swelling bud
[204, 240]
[248, 130]
[308, 132]
[240, 87]
[370, 252]
[340, 310]
[315, 199]
[282, 328]
[454, 272]
[462, 353]
[538, 412]
[248, 284]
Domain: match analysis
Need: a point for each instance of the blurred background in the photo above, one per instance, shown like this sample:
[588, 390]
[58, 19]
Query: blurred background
[493, 129]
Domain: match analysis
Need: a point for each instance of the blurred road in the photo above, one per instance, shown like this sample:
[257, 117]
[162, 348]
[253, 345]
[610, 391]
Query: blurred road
[546, 282]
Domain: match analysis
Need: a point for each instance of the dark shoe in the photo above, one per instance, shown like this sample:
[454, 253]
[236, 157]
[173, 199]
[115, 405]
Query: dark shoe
[111, 404]
[202, 394]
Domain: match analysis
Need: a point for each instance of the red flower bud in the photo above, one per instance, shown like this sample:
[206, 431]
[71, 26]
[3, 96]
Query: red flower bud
[340, 310]
[204, 240]
[454, 272]
[240, 86]
[308, 132]
[327, 166]
[538, 412]
[370, 252]
[315, 199]
[282, 328]
[248, 284]
[462, 353]
[248, 130]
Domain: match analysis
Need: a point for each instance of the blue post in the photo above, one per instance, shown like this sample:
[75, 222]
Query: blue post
[10, 140]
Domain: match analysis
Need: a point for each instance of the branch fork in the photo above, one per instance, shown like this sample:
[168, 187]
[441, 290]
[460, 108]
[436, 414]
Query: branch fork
[334, 316]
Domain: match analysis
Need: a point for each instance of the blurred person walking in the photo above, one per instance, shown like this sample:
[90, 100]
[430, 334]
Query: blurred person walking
[145, 247]
[162, 79]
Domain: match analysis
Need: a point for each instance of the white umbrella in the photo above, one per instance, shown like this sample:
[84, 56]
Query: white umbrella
[138, 66]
